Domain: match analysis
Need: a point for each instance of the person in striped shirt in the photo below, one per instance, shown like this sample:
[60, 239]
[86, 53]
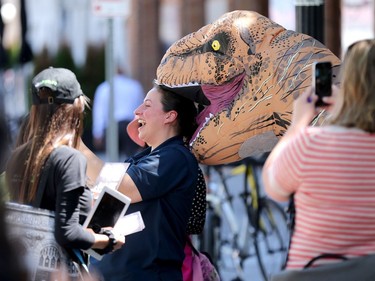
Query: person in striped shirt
[330, 169]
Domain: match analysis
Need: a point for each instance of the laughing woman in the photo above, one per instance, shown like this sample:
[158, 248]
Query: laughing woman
[161, 182]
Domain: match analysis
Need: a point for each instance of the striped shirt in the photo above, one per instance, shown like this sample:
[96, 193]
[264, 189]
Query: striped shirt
[331, 170]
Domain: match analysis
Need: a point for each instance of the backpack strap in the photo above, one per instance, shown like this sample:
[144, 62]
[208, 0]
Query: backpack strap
[42, 183]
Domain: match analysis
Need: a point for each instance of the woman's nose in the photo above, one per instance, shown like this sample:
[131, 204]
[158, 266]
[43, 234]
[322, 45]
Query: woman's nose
[137, 111]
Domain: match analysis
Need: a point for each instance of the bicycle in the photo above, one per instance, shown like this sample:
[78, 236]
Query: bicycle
[263, 231]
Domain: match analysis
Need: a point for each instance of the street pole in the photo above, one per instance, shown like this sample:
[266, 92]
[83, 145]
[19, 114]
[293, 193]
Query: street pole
[310, 18]
[111, 9]
[112, 127]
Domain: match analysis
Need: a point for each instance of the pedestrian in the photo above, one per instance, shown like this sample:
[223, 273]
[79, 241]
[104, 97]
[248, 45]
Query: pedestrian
[128, 94]
[330, 168]
[161, 182]
[49, 151]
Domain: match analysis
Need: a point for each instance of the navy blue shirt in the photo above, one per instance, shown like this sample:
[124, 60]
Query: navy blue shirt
[166, 179]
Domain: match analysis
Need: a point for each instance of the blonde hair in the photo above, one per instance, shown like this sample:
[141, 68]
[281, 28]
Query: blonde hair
[358, 87]
[49, 126]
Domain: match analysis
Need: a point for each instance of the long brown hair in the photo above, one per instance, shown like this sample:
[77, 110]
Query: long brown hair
[357, 108]
[50, 126]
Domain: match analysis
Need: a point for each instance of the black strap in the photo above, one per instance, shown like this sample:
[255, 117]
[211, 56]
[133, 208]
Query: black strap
[325, 256]
[42, 184]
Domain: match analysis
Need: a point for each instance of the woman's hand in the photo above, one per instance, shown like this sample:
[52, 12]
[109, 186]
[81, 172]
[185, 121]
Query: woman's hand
[304, 109]
[332, 101]
[120, 240]
[102, 240]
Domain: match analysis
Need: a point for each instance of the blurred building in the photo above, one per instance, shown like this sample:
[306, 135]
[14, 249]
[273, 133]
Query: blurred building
[141, 38]
[55, 22]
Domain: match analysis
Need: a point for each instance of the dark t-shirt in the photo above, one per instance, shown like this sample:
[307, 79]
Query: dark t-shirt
[66, 193]
[166, 178]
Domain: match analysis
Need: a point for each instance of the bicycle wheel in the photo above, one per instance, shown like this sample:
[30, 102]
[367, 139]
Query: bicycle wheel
[271, 239]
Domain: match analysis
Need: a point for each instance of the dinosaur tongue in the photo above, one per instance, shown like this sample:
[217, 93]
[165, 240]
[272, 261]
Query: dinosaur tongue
[220, 96]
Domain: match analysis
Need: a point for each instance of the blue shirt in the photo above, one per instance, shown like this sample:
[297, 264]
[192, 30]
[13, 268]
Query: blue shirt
[166, 179]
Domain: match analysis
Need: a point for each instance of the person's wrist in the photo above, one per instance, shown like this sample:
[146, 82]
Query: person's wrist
[111, 238]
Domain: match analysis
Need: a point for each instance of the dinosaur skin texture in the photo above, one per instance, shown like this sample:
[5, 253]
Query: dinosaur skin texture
[246, 70]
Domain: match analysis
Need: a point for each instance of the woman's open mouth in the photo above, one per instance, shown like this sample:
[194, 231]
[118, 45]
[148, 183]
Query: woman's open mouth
[141, 123]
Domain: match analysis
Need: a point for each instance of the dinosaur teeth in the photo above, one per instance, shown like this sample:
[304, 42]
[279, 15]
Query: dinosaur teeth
[208, 118]
[190, 84]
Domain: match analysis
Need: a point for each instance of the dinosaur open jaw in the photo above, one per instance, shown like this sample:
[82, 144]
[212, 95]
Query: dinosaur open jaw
[221, 99]
[215, 98]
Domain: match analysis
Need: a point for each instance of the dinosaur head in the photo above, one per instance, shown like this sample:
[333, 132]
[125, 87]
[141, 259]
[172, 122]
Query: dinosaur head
[245, 70]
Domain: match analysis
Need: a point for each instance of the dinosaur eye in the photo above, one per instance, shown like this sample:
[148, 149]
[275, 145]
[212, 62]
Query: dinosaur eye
[215, 45]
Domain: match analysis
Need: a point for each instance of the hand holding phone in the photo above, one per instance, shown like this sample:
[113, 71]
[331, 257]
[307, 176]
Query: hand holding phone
[322, 81]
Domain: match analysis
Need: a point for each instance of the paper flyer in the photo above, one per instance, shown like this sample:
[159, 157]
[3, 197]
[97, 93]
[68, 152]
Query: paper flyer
[110, 175]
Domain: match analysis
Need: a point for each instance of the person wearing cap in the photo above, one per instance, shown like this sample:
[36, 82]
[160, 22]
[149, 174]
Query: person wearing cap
[50, 150]
[161, 181]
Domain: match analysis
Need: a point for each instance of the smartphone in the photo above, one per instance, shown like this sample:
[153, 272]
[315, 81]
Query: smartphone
[322, 81]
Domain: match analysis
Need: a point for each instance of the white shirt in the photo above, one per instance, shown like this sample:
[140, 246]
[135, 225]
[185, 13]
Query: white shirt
[128, 95]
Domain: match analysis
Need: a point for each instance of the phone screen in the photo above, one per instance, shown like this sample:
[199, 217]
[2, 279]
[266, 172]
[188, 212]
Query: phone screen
[322, 81]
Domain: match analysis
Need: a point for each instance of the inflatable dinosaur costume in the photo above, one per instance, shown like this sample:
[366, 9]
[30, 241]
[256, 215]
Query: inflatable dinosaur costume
[245, 70]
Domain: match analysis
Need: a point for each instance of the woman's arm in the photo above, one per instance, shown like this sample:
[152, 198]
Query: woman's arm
[94, 163]
[69, 233]
[94, 166]
[128, 187]
[303, 112]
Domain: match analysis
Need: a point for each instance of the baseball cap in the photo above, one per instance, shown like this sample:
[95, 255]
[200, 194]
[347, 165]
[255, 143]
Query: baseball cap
[61, 81]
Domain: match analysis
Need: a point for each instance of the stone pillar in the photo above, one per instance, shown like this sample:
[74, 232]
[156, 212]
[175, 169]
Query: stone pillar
[332, 26]
[145, 50]
[192, 16]
[259, 6]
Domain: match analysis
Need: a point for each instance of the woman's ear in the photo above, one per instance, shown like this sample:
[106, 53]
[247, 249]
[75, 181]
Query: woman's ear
[171, 116]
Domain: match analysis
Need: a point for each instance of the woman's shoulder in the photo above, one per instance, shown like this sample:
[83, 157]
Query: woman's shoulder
[179, 149]
[65, 152]
[64, 149]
